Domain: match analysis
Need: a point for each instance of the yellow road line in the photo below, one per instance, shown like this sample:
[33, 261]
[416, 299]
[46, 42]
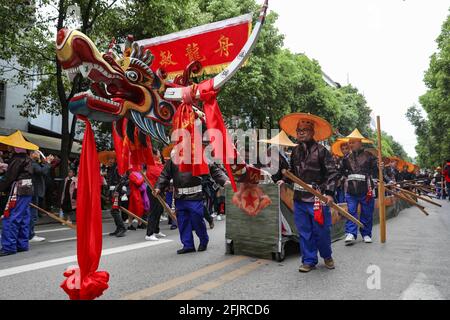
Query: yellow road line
[208, 286]
[148, 292]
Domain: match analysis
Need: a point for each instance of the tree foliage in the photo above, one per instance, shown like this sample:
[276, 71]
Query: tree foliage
[433, 130]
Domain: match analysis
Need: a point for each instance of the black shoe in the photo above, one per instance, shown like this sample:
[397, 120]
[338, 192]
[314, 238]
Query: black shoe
[121, 233]
[211, 225]
[115, 232]
[173, 227]
[182, 251]
[6, 253]
[130, 227]
[142, 226]
[202, 248]
[22, 250]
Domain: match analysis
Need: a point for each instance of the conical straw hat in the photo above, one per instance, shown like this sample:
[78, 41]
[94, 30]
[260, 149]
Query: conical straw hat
[17, 140]
[336, 147]
[322, 128]
[357, 135]
[280, 139]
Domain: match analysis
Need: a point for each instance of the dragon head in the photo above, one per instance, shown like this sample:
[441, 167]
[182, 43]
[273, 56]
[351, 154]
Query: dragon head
[121, 86]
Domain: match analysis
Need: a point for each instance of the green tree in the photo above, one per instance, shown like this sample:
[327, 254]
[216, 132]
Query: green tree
[433, 131]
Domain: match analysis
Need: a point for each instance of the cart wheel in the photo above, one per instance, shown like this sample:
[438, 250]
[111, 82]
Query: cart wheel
[229, 248]
[279, 256]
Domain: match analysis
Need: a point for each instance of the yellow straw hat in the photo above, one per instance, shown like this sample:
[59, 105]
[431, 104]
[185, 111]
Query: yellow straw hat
[336, 147]
[357, 135]
[17, 140]
[280, 139]
[322, 128]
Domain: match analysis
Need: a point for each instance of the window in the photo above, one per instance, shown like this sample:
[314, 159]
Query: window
[2, 99]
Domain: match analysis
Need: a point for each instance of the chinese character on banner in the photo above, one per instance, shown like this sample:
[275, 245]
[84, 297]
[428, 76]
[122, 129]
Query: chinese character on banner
[224, 44]
[193, 52]
[166, 59]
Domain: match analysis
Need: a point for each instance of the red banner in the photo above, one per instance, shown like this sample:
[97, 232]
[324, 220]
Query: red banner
[215, 45]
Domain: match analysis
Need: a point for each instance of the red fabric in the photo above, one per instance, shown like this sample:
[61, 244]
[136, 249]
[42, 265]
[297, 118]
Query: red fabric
[191, 157]
[447, 172]
[136, 203]
[122, 151]
[91, 283]
[153, 172]
[369, 194]
[318, 211]
[214, 120]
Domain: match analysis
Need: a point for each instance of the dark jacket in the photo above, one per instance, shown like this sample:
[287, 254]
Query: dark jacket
[186, 179]
[363, 163]
[283, 163]
[39, 173]
[314, 164]
[391, 174]
[19, 170]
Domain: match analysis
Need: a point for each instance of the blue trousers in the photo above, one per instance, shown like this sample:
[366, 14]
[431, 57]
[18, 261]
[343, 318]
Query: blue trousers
[340, 195]
[366, 215]
[313, 236]
[16, 230]
[190, 217]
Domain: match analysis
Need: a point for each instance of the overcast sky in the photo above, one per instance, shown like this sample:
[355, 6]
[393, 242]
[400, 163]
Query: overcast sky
[382, 46]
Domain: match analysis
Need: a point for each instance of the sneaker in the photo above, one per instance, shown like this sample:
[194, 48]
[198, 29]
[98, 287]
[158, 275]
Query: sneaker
[173, 227]
[219, 217]
[135, 223]
[367, 239]
[306, 268]
[151, 238]
[163, 218]
[162, 235]
[349, 239]
[37, 239]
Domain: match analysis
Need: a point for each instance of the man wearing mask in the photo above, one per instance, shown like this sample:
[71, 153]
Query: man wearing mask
[313, 163]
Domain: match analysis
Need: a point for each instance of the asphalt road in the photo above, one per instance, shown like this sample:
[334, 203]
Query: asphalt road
[413, 264]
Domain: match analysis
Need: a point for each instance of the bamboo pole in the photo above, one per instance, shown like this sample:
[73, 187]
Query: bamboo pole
[381, 201]
[128, 212]
[321, 197]
[166, 207]
[54, 216]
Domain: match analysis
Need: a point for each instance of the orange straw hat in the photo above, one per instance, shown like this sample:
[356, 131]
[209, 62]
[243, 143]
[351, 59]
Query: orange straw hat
[107, 157]
[336, 147]
[322, 128]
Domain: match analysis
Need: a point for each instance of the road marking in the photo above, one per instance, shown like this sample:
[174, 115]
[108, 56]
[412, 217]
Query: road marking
[148, 292]
[52, 230]
[70, 259]
[68, 239]
[421, 289]
[208, 286]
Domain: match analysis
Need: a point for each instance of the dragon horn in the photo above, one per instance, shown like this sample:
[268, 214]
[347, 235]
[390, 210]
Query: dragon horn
[176, 94]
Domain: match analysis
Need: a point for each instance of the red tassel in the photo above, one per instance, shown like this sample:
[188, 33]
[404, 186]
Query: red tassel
[318, 211]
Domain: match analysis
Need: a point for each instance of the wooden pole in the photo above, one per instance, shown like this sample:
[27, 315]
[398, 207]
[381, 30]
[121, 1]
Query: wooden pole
[321, 197]
[166, 207]
[409, 200]
[128, 212]
[381, 201]
[54, 216]
[415, 195]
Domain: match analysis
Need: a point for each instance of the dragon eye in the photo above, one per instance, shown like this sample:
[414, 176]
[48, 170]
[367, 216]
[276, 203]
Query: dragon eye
[132, 76]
